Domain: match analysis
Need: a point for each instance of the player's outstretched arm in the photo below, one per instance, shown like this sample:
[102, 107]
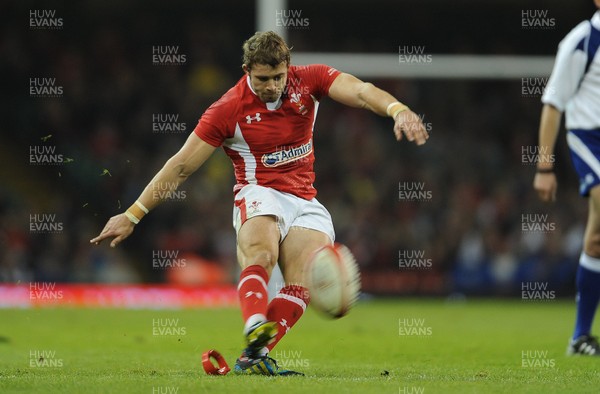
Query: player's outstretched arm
[351, 91]
[544, 181]
[175, 171]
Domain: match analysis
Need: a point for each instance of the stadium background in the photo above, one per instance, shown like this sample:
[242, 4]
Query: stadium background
[472, 166]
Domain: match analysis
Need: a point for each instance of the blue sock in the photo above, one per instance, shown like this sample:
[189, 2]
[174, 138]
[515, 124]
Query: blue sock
[588, 295]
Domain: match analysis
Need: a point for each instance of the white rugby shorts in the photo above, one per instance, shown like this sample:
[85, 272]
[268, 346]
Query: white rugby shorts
[290, 210]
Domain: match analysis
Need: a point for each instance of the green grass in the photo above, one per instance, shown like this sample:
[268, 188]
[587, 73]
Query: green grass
[470, 347]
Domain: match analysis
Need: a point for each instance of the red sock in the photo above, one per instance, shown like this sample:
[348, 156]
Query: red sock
[252, 291]
[286, 308]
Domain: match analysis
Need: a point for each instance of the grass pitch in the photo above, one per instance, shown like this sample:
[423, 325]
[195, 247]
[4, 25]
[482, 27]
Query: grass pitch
[397, 347]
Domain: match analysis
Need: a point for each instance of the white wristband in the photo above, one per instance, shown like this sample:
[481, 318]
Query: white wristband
[132, 217]
[390, 107]
[142, 207]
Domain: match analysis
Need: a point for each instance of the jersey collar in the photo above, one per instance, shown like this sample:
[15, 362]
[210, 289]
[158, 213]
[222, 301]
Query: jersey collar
[270, 106]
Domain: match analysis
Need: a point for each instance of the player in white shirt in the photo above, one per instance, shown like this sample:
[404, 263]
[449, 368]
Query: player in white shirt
[574, 88]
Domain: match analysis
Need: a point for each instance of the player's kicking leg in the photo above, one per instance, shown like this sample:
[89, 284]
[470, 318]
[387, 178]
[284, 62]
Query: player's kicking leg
[258, 251]
[290, 303]
[588, 283]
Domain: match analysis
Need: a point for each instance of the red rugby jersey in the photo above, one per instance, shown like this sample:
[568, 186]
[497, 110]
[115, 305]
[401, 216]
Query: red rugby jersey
[270, 147]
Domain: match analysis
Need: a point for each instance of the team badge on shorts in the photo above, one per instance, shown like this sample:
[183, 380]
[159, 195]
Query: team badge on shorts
[253, 207]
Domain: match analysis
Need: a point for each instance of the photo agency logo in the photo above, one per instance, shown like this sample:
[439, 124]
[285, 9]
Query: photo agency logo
[45, 155]
[45, 20]
[166, 258]
[413, 191]
[167, 191]
[44, 291]
[535, 87]
[44, 88]
[537, 291]
[168, 55]
[413, 54]
[413, 327]
[44, 359]
[413, 259]
[165, 389]
[165, 327]
[411, 390]
[414, 120]
[534, 155]
[536, 359]
[290, 359]
[291, 19]
[537, 19]
[45, 223]
[536, 223]
[167, 124]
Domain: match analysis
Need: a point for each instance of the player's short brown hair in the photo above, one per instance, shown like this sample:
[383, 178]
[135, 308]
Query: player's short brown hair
[265, 48]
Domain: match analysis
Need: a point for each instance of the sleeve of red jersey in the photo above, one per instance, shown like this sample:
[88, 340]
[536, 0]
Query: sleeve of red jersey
[319, 78]
[213, 124]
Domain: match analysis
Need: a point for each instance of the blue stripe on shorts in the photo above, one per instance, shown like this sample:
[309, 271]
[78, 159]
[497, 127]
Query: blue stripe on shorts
[585, 155]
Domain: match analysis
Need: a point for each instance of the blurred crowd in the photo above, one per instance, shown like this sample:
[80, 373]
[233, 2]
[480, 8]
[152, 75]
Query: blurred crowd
[476, 181]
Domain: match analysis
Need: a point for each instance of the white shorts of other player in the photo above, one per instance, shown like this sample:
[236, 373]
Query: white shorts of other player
[290, 210]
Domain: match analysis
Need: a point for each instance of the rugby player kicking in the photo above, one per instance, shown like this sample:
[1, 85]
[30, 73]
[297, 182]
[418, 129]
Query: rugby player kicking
[265, 125]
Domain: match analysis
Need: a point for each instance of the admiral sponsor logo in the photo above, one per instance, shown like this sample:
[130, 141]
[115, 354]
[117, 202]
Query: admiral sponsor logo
[285, 156]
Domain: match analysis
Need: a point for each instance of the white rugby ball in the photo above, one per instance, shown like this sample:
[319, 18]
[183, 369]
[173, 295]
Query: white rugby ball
[333, 280]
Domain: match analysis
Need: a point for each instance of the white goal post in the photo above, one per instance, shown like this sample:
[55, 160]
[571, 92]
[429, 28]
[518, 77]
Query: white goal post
[389, 65]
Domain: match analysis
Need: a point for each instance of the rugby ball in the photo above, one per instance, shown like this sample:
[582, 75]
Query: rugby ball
[333, 280]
